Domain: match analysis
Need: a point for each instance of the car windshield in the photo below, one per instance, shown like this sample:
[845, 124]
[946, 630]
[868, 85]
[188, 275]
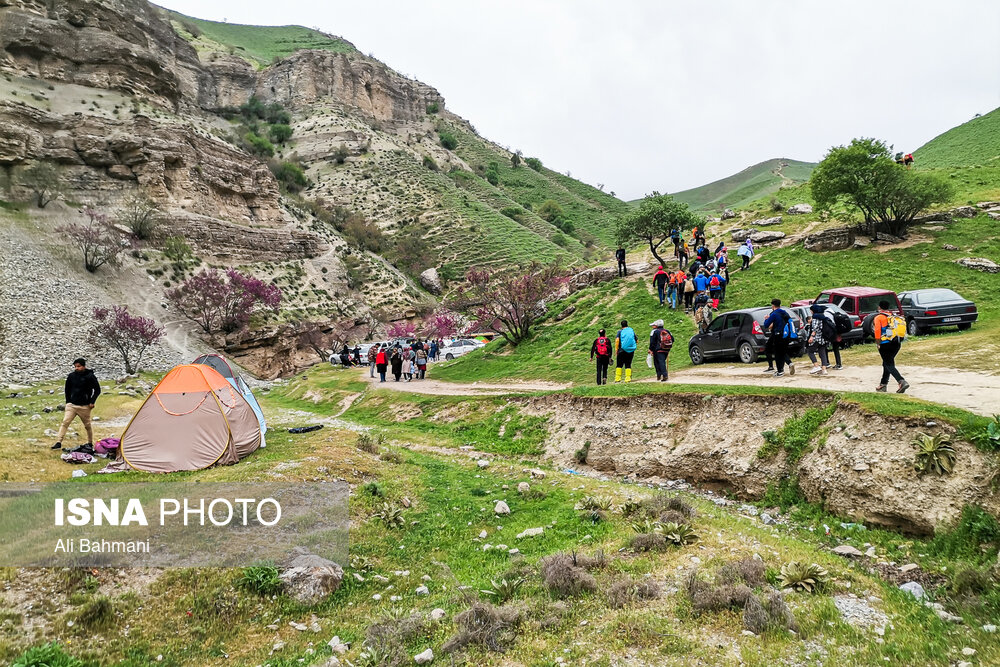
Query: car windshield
[937, 296]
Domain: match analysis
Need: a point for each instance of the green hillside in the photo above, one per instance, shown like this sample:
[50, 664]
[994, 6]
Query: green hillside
[976, 142]
[752, 183]
[260, 44]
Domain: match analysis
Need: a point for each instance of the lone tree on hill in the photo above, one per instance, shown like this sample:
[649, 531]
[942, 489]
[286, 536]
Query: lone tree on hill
[130, 335]
[652, 222]
[224, 302]
[97, 239]
[43, 180]
[515, 159]
[512, 300]
[864, 177]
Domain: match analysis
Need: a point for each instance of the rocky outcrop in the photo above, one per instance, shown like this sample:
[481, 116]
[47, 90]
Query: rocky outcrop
[979, 264]
[835, 238]
[602, 274]
[431, 281]
[309, 578]
[863, 469]
[237, 243]
[270, 351]
[741, 235]
[767, 222]
[799, 209]
[728, 214]
[940, 217]
[965, 212]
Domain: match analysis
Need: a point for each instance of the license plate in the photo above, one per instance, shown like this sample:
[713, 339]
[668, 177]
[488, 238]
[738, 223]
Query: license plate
[952, 319]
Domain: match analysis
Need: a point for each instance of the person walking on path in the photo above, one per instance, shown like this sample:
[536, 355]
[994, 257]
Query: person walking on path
[407, 367]
[380, 364]
[602, 350]
[372, 352]
[625, 344]
[701, 283]
[682, 253]
[688, 292]
[82, 390]
[434, 351]
[889, 330]
[746, 254]
[620, 256]
[660, 342]
[816, 344]
[660, 280]
[396, 363]
[782, 329]
[420, 359]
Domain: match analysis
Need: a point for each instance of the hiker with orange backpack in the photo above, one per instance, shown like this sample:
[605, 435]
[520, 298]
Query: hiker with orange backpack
[660, 342]
[602, 350]
[890, 331]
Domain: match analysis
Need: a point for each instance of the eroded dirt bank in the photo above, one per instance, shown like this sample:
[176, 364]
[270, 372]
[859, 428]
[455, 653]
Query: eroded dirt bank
[858, 465]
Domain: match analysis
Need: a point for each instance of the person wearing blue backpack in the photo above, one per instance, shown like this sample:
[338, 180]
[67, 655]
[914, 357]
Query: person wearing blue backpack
[625, 345]
[783, 332]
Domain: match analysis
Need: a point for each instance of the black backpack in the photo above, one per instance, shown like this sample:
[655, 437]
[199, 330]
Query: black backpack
[842, 322]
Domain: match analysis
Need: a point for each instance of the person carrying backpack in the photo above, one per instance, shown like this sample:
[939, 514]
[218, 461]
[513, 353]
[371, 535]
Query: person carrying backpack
[715, 289]
[688, 292]
[675, 236]
[783, 332]
[625, 344]
[660, 280]
[620, 256]
[816, 343]
[745, 253]
[890, 331]
[672, 287]
[602, 350]
[372, 351]
[420, 360]
[660, 342]
[682, 252]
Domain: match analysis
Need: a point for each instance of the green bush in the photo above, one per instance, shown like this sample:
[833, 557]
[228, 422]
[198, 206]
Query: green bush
[340, 155]
[429, 162]
[176, 248]
[47, 655]
[261, 579]
[534, 163]
[550, 210]
[492, 174]
[258, 145]
[433, 107]
[280, 133]
[966, 539]
[448, 140]
[512, 212]
[290, 175]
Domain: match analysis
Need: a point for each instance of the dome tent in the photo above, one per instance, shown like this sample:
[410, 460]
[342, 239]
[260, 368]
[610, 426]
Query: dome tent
[219, 363]
[192, 419]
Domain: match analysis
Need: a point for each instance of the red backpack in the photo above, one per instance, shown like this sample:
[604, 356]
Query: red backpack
[666, 340]
[714, 282]
[603, 346]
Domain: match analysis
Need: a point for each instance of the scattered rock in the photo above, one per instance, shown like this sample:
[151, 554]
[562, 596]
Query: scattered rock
[799, 209]
[847, 550]
[968, 651]
[565, 312]
[861, 467]
[523, 488]
[908, 567]
[424, 658]
[767, 222]
[914, 589]
[965, 212]
[882, 237]
[988, 204]
[728, 214]
[835, 238]
[482, 535]
[501, 508]
[423, 590]
[861, 242]
[989, 627]
[482, 463]
[309, 578]
[431, 281]
[979, 264]
[768, 519]
[531, 532]
[437, 614]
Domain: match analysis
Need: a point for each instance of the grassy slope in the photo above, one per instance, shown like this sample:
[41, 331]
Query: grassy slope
[259, 44]
[743, 187]
[202, 617]
[976, 142]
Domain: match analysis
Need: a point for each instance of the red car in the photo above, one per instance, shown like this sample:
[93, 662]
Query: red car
[858, 302]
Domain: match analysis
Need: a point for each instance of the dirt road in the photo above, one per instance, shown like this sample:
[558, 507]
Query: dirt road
[439, 388]
[976, 392]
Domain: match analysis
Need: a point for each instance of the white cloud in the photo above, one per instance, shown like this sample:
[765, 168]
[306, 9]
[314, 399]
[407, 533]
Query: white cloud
[665, 96]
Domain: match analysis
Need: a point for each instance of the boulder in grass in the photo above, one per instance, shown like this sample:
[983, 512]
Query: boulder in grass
[965, 212]
[979, 264]
[431, 281]
[767, 222]
[309, 578]
[835, 238]
[728, 214]
[799, 209]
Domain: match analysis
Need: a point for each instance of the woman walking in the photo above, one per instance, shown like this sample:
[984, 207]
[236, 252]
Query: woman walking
[380, 364]
[420, 359]
[396, 364]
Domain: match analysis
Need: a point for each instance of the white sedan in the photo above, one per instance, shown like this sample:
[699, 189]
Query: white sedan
[457, 348]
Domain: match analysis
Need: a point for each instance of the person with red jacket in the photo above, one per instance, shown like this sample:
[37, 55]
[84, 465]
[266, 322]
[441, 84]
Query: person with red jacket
[660, 280]
[602, 350]
[381, 362]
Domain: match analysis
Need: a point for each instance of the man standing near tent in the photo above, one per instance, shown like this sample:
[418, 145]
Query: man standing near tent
[82, 390]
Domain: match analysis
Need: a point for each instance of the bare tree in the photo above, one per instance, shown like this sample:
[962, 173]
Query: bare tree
[42, 179]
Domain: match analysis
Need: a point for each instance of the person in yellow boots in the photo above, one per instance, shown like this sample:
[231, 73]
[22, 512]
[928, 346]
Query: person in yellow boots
[625, 345]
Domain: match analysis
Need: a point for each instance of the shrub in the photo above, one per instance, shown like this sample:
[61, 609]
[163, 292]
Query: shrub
[44, 182]
[429, 162]
[341, 154]
[504, 590]
[550, 211]
[258, 145]
[808, 577]
[363, 233]
[137, 211]
[776, 205]
[176, 248]
[970, 581]
[371, 441]
[646, 542]
[707, 597]
[779, 613]
[626, 591]
[433, 108]
[656, 505]
[486, 626]
[755, 618]
[97, 239]
[747, 571]
[448, 140]
[290, 176]
[679, 534]
[581, 454]
[374, 489]
[129, 335]
[280, 133]
[512, 212]
[965, 540]
[226, 302]
[630, 507]
[391, 456]
[387, 639]
[560, 240]
[534, 163]
[47, 655]
[263, 579]
[934, 454]
[95, 615]
[564, 575]
[595, 508]
[391, 516]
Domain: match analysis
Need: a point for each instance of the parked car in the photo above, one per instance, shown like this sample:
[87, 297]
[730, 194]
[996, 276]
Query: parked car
[457, 348]
[858, 302]
[852, 337]
[739, 334]
[938, 307]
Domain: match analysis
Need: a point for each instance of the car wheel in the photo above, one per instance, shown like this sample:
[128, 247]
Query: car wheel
[965, 326]
[912, 329]
[697, 356]
[449, 356]
[747, 352]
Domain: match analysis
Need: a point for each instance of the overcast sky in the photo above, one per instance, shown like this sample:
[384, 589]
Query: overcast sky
[643, 95]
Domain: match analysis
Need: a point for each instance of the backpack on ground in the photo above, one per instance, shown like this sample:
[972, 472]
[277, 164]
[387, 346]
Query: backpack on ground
[627, 337]
[666, 340]
[603, 346]
[842, 322]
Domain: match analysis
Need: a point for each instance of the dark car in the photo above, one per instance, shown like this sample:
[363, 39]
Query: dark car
[930, 308]
[852, 337]
[739, 334]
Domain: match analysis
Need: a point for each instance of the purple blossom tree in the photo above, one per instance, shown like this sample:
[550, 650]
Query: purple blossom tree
[513, 299]
[97, 239]
[130, 335]
[442, 323]
[402, 329]
[224, 302]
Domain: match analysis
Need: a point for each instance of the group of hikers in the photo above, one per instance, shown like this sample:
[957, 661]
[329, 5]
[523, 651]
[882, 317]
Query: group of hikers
[404, 362]
[623, 349]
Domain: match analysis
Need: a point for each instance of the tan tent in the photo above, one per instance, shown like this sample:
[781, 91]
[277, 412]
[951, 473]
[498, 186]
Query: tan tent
[191, 420]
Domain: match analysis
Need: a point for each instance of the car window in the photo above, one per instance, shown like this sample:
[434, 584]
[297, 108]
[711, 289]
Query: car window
[869, 304]
[734, 320]
[906, 300]
[716, 324]
[937, 296]
[845, 302]
[823, 298]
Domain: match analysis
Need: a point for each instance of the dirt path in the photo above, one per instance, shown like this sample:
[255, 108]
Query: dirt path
[439, 388]
[976, 392]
